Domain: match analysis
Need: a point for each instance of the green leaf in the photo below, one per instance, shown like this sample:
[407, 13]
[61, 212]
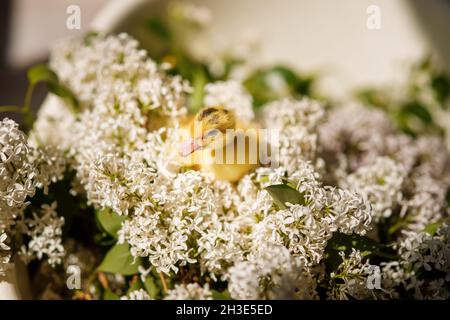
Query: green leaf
[41, 73]
[89, 37]
[157, 27]
[259, 84]
[420, 111]
[110, 221]
[282, 193]
[441, 87]
[432, 228]
[224, 295]
[447, 197]
[61, 91]
[373, 97]
[152, 288]
[109, 295]
[119, 260]
[343, 242]
[136, 285]
[199, 80]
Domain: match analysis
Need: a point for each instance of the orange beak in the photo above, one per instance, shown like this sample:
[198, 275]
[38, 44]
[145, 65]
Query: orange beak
[188, 146]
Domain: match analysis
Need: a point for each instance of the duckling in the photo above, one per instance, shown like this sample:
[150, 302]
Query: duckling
[213, 140]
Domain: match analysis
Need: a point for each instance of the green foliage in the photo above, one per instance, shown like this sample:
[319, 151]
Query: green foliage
[224, 295]
[199, 81]
[109, 295]
[64, 93]
[119, 260]
[151, 287]
[135, 285]
[441, 86]
[89, 37]
[42, 73]
[432, 228]
[159, 28]
[109, 221]
[414, 117]
[282, 193]
[289, 84]
[68, 206]
[426, 92]
[343, 242]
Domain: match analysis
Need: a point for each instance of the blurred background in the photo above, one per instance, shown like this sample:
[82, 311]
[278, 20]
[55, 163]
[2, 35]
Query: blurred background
[326, 36]
[27, 30]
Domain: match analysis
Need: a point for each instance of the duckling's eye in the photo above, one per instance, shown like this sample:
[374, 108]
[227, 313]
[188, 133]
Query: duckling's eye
[211, 133]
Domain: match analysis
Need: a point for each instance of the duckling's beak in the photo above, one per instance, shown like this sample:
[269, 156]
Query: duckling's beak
[188, 146]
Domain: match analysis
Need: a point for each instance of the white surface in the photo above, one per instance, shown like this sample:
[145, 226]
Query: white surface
[8, 291]
[327, 36]
[36, 24]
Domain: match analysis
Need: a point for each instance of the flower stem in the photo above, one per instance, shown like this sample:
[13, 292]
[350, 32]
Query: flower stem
[163, 281]
[27, 100]
[28, 117]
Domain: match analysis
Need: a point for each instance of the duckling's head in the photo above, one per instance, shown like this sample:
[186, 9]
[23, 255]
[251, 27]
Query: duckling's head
[207, 127]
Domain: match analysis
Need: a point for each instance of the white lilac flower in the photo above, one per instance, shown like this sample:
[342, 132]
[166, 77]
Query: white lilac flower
[114, 70]
[304, 228]
[350, 142]
[139, 294]
[350, 278]
[224, 241]
[122, 133]
[3, 238]
[285, 113]
[243, 281]
[190, 291]
[17, 174]
[427, 184]
[103, 131]
[180, 210]
[433, 290]
[297, 228]
[423, 269]
[270, 272]
[5, 255]
[118, 183]
[381, 182]
[295, 123]
[45, 231]
[54, 116]
[351, 137]
[393, 276]
[351, 212]
[427, 202]
[5, 264]
[233, 96]
[51, 165]
[23, 169]
[422, 250]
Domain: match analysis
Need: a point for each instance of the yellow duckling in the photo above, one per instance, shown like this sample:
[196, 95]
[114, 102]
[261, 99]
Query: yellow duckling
[214, 140]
